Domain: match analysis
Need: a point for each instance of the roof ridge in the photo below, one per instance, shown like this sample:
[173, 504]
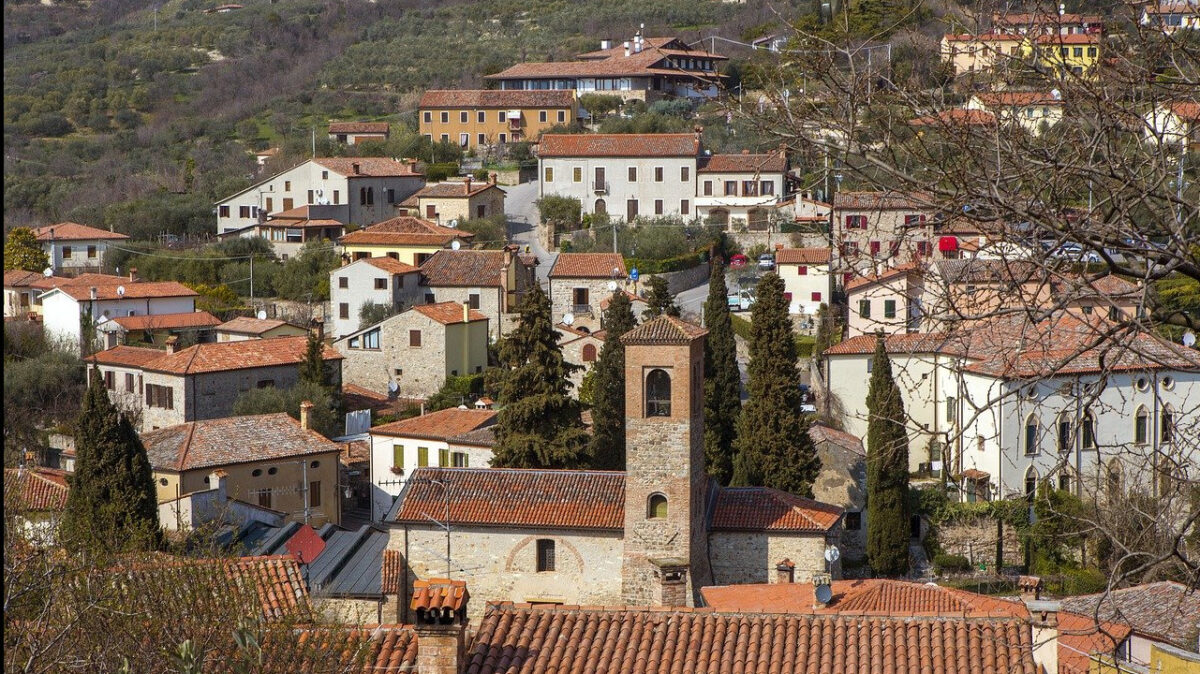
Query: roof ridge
[181, 461]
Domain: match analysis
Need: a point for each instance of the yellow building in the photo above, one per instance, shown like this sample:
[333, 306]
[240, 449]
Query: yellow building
[985, 52]
[485, 117]
[405, 238]
[1074, 54]
[456, 200]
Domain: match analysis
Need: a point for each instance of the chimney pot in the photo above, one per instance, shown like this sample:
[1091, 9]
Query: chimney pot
[318, 328]
[468, 184]
[355, 166]
[785, 572]
[492, 177]
[172, 344]
[133, 275]
[306, 415]
[92, 291]
[1031, 588]
[466, 312]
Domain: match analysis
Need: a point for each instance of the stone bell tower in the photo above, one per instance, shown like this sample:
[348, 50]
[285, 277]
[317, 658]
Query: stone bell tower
[665, 561]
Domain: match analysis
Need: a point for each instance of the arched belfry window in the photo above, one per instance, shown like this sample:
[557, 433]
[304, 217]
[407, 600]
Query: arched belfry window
[658, 394]
[656, 507]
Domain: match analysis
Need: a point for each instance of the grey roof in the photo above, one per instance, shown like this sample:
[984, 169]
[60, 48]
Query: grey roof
[351, 563]
[274, 542]
[480, 437]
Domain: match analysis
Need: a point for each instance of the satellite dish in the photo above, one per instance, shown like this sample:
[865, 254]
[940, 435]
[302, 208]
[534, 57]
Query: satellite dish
[1189, 339]
[393, 386]
[823, 593]
[455, 244]
[47, 272]
[453, 222]
[262, 314]
[568, 319]
[832, 554]
[120, 291]
[612, 285]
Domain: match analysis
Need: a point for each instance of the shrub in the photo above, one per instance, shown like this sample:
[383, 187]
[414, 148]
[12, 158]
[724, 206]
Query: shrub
[944, 563]
[565, 211]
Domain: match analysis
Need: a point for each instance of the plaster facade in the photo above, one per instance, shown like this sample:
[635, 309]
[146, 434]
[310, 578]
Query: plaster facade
[353, 285]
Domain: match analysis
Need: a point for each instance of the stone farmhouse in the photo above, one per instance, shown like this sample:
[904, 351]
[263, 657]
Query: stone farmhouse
[353, 133]
[201, 382]
[578, 281]
[455, 201]
[741, 190]
[650, 536]
[153, 330]
[74, 248]
[490, 281]
[876, 230]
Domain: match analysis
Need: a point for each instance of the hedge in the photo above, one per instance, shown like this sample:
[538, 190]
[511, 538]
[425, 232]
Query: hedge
[678, 263]
[951, 563]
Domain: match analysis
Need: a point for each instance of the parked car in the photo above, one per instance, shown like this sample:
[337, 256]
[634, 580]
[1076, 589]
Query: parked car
[738, 260]
[1075, 253]
[766, 262]
[740, 300]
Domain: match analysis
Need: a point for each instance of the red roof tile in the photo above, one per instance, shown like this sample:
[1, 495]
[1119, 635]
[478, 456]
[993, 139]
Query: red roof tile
[1165, 611]
[35, 489]
[909, 268]
[380, 167]
[131, 290]
[765, 509]
[439, 594]
[802, 256]
[449, 313]
[822, 433]
[127, 356]
[275, 582]
[651, 60]
[619, 145]
[774, 162]
[1073, 38]
[523, 639]
[588, 265]
[984, 37]
[19, 278]
[249, 325]
[358, 127]
[73, 231]
[405, 230]
[224, 356]
[876, 596]
[453, 189]
[392, 572]
[663, 330]
[881, 201]
[391, 265]
[438, 425]
[497, 98]
[956, 117]
[232, 440]
[82, 279]
[187, 319]
[386, 649]
[470, 268]
[1189, 110]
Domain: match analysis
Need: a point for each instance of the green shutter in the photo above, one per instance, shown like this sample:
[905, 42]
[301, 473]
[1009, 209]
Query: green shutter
[422, 456]
[444, 458]
[398, 456]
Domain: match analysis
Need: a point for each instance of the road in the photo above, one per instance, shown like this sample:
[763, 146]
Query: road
[519, 204]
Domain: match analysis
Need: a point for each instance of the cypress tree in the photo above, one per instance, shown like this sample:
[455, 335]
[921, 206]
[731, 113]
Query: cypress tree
[538, 425]
[773, 446]
[312, 368]
[608, 387]
[722, 380]
[659, 299]
[887, 471]
[112, 506]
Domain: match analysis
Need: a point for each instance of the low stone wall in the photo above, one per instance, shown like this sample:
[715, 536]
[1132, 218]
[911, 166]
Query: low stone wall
[976, 540]
[685, 279]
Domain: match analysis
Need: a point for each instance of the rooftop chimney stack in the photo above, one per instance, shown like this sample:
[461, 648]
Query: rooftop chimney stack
[1031, 588]
[1044, 627]
[306, 415]
[605, 43]
[440, 608]
[172, 344]
[356, 168]
[318, 328]
[626, 54]
[92, 292]
[785, 572]
[468, 181]
[492, 177]
[133, 275]
[219, 480]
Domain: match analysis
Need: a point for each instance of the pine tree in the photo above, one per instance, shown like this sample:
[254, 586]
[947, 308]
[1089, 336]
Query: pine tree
[312, 368]
[112, 506]
[887, 471]
[22, 251]
[608, 387]
[659, 299]
[539, 424]
[773, 446]
[722, 380]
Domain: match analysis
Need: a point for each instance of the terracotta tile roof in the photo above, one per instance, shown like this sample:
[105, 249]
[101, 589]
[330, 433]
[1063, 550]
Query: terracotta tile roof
[232, 440]
[73, 231]
[249, 325]
[987, 271]
[619, 145]
[358, 127]
[1073, 38]
[521, 638]
[1018, 98]
[438, 594]
[875, 596]
[379, 167]
[127, 356]
[1189, 110]
[19, 278]
[35, 489]
[438, 425]
[405, 230]
[187, 319]
[560, 499]
[449, 313]
[906, 343]
[132, 290]
[392, 572]
[743, 163]
[1046, 19]
[1081, 636]
[588, 265]
[910, 268]
[1168, 7]
[391, 265]
[881, 201]
[663, 330]
[822, 433]
[1163, 611]
[224, 356]
[470, 268]
[765, 509]
[497, 98]
[453, 189]
[82, 280]
[385, 649]
[802, 256]
[956, 117]
[275, 582]
[983, 37]
[1111, 285]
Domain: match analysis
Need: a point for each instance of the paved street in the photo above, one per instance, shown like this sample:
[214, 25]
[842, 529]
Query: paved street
[522, 223]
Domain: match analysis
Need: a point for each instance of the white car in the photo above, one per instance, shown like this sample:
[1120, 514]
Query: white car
[766, 262]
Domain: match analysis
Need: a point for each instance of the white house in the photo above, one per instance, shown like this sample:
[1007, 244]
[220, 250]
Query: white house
[1034, 111]
[74, 248]
[888, 301]
[399, 448]
[1174, 123]
[807, 282]
[382, 280]
[740, 189]
[1171, 15]
[365, 188]
[288, 231]
[69, 310]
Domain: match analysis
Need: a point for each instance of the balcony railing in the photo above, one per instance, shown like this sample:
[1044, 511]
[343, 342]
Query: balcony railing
[581, 309]
[600, 186]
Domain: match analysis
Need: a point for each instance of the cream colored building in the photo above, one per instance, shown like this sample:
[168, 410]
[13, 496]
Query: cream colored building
[876, 230]
[489, 117]
[245, 327]
[969, 54]
[406, 238]
[888, 302]
[807, 278]
[1034, 111]
[741, 191]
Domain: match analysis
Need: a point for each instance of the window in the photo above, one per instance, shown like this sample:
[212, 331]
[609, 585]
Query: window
[224, 211]
[344, 311]
[816, 297]
[1031, 480]
[658, 394]
[852, 522]
[129, 385]
[656, 507]
[950, 409]
[1077, 52]
[1089, 431]
[589, 353]
[336, 198]
[542, 116]
[160, 396]
[1064, 435]
[287, 186]
[443, 458]
[1141, 426]
[398, 456]
[750, 188]
[1167, 426]
[658, 174]
[548, 175]
[264, 498]
[1064, 482]
[109, 380]
[445, 117]
[310, 197]
[864, 308]
[708, 188]
[874, 246]
[802, 270]
[913, 219]
[631, 209]
[481, 118]
[856, 222]
[1031, 431]
[766, 188]
[685, 206]
[371, 339]
[658, 206]
[91, 251]
[545, 554]
[422, 457]
[577, 174]
[633, 174]
[414, 338]
[889, 308]
[381, 284]
[731, 188]
[464, 139]
[314, 494]
[325, 174]
[428, 117]
[243, 211]
[500, 117]
[685, 174]
[481, 139]
[473, 300]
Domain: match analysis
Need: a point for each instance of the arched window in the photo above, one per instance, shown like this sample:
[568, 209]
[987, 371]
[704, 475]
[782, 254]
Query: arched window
[1088, 431]
[1064, 432]
[658, 394]
[601, 207]
[1031, 435]
[589, 353]
[1141, 426]
[1064, 481]
[1031, 480]
[656, 507]
[1167, 425]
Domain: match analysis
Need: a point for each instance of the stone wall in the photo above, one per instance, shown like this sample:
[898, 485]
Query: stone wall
[976, 540]
[357, 611]
[750, 557]
[422, 368]
[679, 281]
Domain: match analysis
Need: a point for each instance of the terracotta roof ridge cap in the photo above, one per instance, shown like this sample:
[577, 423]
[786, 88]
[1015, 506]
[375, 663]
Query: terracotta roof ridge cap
[181, 459]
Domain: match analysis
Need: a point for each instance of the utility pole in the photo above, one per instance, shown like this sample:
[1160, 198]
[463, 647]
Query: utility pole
[304, 484]
[252, 279]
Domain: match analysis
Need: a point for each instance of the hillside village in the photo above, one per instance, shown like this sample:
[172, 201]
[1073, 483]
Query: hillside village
[796, 350]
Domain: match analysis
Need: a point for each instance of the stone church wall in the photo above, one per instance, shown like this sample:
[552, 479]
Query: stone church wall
[750, 557]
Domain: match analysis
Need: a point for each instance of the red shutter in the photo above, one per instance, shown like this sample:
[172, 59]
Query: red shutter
[802, 270]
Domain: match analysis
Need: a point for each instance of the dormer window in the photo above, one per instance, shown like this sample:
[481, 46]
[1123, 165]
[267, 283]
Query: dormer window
[658, 394]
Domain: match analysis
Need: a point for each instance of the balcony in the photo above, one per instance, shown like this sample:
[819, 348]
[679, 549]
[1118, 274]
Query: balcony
[600, 186]
[581, 309]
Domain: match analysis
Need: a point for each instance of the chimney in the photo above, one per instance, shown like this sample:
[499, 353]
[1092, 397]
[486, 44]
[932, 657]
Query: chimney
[92, 292]
[440, 608]
[745, 151]
[306, 415]
[1031, 588]
[318, 328]
[507, 256]
[822, 590]
[492, 177]
[468, 184]
[173, 344]
[219, 480]
[356, 168]
[1043, 622]
[626, 54]
[466, 312]
[606, 43]
[133, 275]
[785, 572]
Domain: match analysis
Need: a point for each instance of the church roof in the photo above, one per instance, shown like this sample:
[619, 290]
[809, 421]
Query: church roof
[663, 330]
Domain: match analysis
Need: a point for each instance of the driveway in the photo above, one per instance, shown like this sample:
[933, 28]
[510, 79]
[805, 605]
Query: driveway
[523, 221]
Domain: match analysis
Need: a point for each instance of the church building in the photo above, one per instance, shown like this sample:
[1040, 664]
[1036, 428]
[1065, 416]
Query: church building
[652, 535]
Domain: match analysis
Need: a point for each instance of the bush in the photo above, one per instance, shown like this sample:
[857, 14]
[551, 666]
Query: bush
[1070, 582]
[564, 211]
[944, 563]
[435, 173]
[490, 232]
[678, 263]
[271, 400]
